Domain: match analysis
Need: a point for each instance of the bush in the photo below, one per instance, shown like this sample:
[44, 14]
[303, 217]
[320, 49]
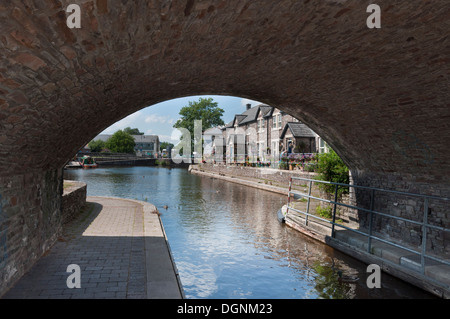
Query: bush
[310, 167]
[97, 146]
[325, 212]
[330, 167]
[121, 142]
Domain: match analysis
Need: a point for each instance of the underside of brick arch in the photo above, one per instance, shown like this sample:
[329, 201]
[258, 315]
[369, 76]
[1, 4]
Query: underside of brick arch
[379, 97]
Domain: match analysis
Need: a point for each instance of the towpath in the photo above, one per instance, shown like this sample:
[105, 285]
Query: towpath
[121, 250]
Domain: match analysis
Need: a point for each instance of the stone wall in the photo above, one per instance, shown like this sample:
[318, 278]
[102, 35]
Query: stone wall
[280, 178]
[434, 210]
[30, 221]
[73, 200]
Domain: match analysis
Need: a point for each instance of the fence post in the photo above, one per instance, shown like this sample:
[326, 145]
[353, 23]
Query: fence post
[424, 234]
[307, 205]
[334, 212]
[289, 195]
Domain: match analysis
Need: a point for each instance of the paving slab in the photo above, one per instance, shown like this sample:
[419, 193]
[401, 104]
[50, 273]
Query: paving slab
[122, 252]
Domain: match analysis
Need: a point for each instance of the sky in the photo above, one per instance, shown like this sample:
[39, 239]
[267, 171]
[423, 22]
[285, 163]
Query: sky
[159, 119]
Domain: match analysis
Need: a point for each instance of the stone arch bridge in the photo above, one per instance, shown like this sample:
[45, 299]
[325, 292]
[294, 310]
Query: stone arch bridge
[380, 97]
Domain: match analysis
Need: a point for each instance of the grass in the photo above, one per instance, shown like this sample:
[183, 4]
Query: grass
[67, 185]
[325, 212]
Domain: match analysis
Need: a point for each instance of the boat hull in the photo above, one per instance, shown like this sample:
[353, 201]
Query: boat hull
[280, 216]
[88, 166]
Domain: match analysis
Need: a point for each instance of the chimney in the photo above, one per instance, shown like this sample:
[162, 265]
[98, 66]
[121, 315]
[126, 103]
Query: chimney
[249, 106]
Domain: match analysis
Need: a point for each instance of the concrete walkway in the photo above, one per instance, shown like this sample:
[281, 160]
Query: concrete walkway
[121, 249]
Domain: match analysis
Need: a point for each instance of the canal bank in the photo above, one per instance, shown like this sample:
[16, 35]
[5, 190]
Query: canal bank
[121, 248]
[227, 242]
[269, 179]
[392, 260]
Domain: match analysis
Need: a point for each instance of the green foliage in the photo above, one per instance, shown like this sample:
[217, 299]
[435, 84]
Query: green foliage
[330, 167]
[165, 145]
[325, 212]
[205, 110]
[132, 131]
[161, 163]
[97, 146]
[327, 283]
[121, 142]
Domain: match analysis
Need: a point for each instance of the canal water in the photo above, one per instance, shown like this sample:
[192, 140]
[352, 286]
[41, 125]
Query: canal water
[227, 242]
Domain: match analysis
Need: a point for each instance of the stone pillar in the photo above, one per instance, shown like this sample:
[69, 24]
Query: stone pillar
[30, 221]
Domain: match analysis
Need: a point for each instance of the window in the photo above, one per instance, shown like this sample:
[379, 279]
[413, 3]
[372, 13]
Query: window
[260, 149]
[323, 147]
[279, 120]
[260, 125]
[274, 121]
[275, 148]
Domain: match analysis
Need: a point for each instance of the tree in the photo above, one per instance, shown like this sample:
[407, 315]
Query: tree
[121, 142]
[205, 110]
[165, 145]
[132, 131]
[97, 146]
[330, 167]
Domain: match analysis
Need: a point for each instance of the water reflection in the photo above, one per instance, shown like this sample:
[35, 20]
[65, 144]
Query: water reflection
[228, 243]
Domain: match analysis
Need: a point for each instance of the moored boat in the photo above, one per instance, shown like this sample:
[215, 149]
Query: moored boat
[88, 162]
[281, 214]
[73, 164]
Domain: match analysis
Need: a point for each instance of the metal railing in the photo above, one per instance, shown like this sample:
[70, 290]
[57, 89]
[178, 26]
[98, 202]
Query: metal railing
[425, 226]
[114, 156]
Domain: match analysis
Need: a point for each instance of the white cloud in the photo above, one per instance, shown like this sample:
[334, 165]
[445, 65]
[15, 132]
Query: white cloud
[158, 119]
[173, 138]
[123, 123]
[176, 134]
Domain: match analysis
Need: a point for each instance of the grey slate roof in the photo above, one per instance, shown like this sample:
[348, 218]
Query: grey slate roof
[230, 124]
[298, 129]
[240, 118]
[266, 110]
[250, 115]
